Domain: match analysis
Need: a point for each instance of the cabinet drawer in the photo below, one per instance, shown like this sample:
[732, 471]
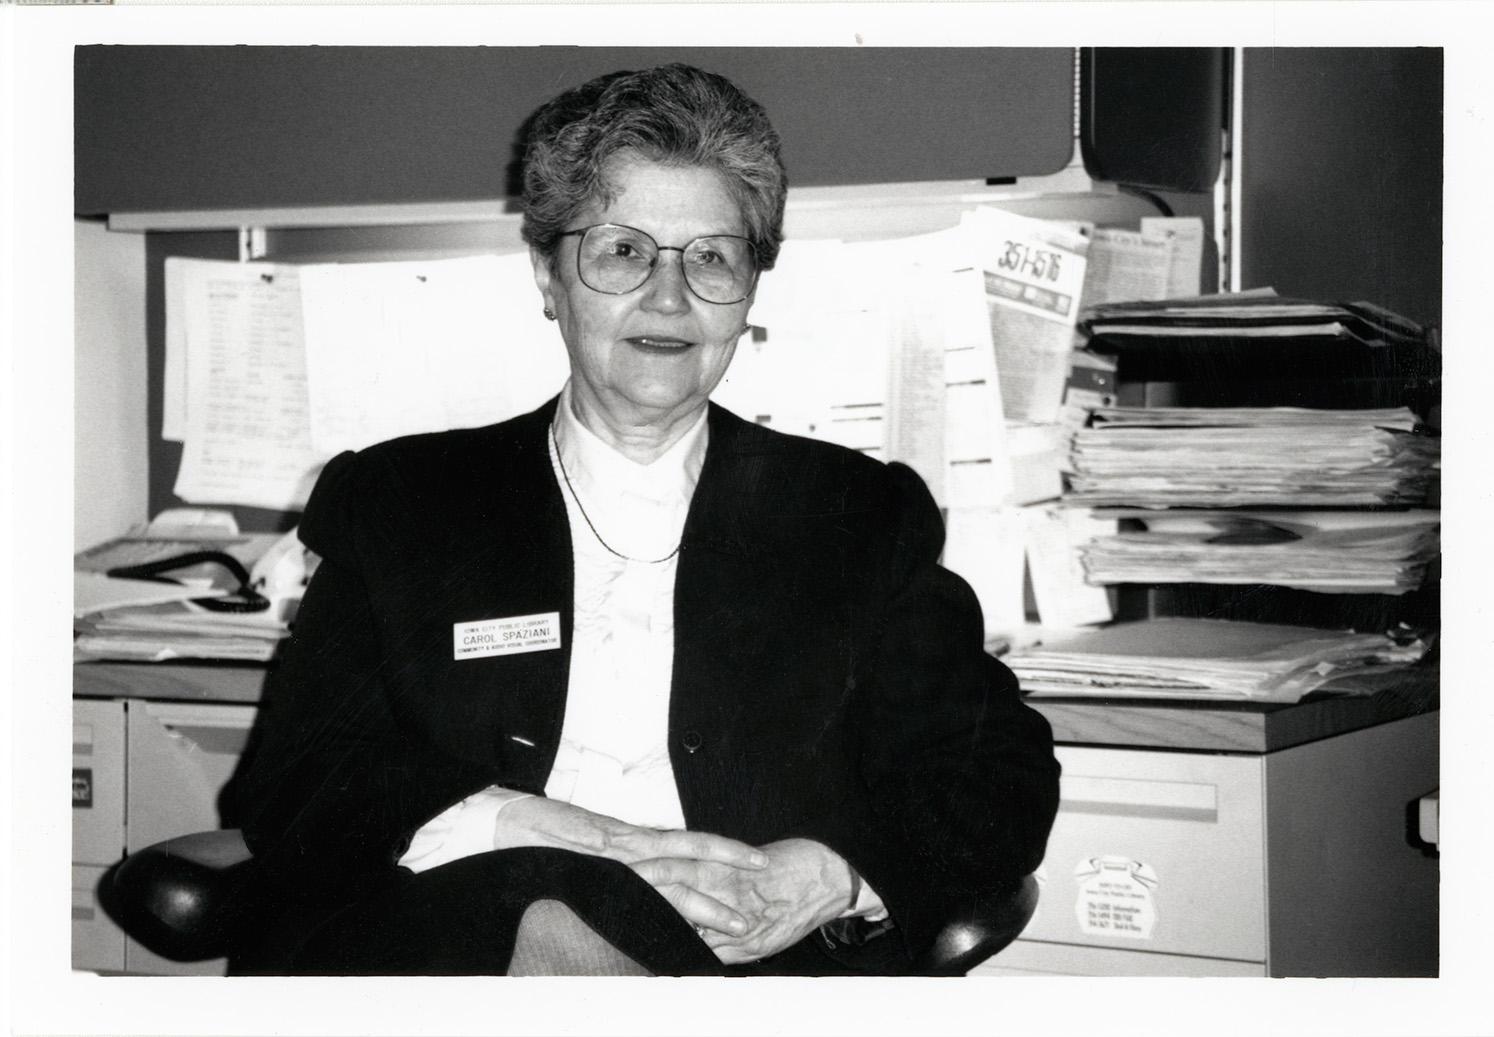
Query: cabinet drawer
[181, 756]
[1158, 852]
[98, 944]
[1030, 958]
[98, 782]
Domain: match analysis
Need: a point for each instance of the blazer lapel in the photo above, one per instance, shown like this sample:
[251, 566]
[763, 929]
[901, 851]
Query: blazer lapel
[721, 589]
[521, 565]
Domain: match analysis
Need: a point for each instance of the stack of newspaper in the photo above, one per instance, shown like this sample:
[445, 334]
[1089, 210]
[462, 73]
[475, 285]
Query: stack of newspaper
[1181, 658]
[1218, 457]
[1346, 552]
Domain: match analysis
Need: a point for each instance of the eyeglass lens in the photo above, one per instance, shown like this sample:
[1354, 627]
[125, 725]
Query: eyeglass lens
[614, 259]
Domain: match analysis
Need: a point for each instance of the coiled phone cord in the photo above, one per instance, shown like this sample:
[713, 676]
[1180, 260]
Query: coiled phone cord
[245, 599]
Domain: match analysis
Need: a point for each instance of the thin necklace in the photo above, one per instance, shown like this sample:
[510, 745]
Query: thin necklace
[591, 525]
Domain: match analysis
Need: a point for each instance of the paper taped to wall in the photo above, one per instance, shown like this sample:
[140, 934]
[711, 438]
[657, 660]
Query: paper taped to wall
[399, 348]
[247, 430]
[273, 367]
[1034, 274]
[1187, 234]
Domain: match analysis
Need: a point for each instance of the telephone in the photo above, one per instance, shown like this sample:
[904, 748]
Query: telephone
[201, 545]
[281, 573]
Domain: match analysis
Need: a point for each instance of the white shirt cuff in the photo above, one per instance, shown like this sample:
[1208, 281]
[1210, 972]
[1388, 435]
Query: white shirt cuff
[461, 830]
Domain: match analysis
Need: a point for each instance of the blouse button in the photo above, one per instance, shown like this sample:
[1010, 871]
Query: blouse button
[692, 741]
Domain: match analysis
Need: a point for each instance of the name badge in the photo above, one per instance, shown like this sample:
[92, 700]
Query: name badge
[512, 635]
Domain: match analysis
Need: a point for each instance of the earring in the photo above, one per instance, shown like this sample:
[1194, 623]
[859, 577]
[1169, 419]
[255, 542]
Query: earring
[549, 313]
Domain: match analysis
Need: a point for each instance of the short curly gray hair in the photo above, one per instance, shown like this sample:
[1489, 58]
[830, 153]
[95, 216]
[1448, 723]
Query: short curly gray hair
[674, 114]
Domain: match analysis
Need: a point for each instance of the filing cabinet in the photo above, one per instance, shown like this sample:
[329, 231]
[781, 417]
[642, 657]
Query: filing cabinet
[181, 754]
[1305, 861]
[98, 829]
[143, 771]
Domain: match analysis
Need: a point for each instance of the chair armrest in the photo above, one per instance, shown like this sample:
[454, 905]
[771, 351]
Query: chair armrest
[183, 898]
[986, 928]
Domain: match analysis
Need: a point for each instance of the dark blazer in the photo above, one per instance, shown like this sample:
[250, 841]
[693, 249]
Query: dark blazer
[829, 679]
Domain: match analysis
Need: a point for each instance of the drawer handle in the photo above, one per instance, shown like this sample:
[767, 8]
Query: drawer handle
[1126, 797]
[217, 741]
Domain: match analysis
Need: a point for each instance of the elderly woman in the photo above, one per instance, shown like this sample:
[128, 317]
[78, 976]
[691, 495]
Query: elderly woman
[627, 684]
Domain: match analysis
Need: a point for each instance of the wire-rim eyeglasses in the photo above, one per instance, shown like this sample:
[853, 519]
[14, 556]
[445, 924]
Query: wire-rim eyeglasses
[615, 259]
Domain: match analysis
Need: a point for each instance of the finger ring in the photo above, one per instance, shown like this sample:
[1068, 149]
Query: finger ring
[700, 931]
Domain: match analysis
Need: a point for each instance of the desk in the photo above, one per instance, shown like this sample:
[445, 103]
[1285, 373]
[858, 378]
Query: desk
[1205, 839]
[1192, 839]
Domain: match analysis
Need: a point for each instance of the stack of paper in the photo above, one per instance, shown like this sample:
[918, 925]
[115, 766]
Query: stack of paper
[1251, 456]
[178, 630]
[1204, 659]
[1366, 552]
[157, 620]
[1261, 314]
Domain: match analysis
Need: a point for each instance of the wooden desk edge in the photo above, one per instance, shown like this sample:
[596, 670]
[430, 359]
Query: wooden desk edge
[1236, 727]
[191, 682]
[1197, 725]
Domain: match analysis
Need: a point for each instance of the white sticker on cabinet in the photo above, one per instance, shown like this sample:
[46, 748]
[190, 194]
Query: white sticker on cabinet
[1115, 897]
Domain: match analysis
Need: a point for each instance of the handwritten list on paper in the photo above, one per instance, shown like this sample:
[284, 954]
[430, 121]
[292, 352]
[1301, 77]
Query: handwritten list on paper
[246, 430]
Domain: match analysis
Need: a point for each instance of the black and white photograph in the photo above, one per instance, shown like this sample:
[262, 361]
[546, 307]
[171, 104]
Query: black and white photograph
[932, 510]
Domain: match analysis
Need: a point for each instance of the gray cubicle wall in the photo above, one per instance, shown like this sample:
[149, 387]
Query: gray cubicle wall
[183, 128]
[1341, 175]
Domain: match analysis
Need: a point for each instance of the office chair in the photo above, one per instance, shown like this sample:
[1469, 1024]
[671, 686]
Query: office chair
[189, 898]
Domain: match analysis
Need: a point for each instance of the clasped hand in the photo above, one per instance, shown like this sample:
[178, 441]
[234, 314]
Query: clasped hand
[748, 902]
[803, 885]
